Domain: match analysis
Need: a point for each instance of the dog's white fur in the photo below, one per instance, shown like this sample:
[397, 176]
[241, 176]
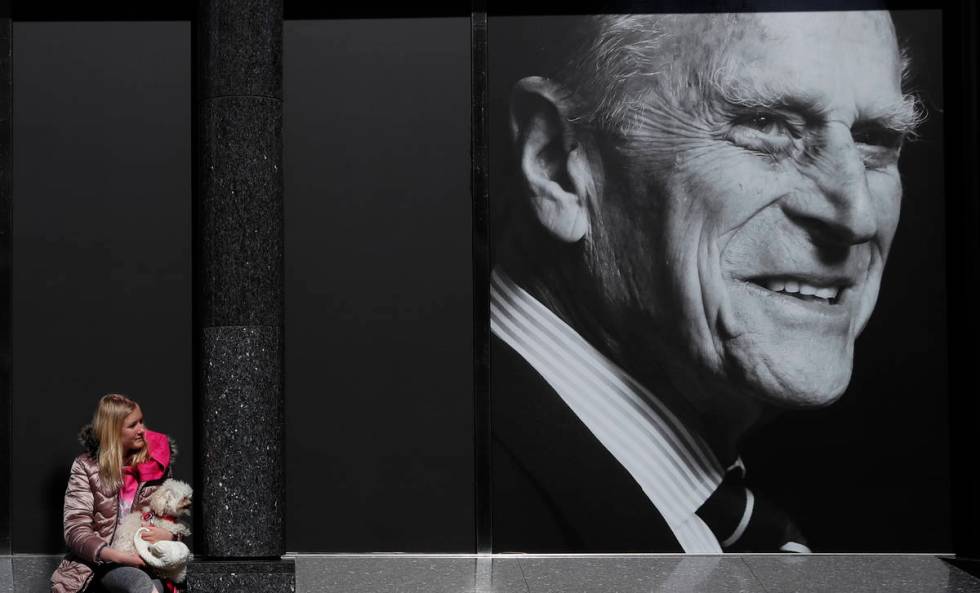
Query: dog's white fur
[167, 559]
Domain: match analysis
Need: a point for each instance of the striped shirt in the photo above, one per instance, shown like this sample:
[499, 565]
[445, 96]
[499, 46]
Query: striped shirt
[673, 466]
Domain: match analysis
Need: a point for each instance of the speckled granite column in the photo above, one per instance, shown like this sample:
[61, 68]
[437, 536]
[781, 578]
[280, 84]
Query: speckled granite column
[240, 491]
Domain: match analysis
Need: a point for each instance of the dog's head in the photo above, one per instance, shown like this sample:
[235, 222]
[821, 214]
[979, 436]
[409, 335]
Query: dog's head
[173, 497]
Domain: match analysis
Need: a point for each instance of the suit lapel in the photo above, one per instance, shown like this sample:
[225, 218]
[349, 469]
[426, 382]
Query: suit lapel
[556, 487]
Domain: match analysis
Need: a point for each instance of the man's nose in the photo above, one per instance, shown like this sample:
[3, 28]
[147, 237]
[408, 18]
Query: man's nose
[840, 208]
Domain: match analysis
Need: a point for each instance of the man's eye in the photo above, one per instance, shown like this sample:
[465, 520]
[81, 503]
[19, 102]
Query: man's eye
[764, 132]
[767, 123]
[879, 146]
[874, 135]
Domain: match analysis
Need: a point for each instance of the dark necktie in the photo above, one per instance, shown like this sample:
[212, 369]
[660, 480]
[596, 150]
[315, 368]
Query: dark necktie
[744, 522]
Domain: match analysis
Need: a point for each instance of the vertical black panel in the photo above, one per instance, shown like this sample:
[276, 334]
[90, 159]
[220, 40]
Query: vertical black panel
[963, 248]
[101, 298]
[5, 171]
[379, 356]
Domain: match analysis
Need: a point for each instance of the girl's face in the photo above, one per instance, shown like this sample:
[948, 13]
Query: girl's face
[132, 430]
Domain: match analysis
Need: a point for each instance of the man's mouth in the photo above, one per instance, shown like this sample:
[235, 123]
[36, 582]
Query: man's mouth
[827, 291]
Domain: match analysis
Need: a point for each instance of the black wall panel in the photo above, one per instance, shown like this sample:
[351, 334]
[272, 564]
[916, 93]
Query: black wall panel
[101, 257]
[5, 170]
[378, 286]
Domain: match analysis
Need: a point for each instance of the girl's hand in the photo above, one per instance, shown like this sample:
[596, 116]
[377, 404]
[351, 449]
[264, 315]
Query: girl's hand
[155, 534]
[132, 560]
[114, 555]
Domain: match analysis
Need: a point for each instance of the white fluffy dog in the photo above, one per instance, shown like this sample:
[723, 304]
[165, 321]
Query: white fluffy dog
[166, 507]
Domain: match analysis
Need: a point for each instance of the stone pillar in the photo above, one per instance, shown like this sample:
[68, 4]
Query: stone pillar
[238, 250]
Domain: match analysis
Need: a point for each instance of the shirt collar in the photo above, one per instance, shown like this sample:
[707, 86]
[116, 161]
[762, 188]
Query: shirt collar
[672, 464]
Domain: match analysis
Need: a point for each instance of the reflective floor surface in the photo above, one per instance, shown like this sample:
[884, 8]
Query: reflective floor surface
[628, 574]
[594, 574]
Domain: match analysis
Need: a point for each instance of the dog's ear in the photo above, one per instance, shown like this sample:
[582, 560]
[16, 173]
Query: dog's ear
[171, 502]
[158, 502]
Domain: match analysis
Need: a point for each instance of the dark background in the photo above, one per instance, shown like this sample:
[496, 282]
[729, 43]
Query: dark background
[870, 473]
[101, 247]
[379, 351]
[4, 274]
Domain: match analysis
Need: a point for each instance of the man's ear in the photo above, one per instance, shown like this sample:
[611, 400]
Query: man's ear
[554, 162]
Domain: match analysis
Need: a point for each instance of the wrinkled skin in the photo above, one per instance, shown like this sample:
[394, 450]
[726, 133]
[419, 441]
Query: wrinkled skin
[743, 199]
[705, 207]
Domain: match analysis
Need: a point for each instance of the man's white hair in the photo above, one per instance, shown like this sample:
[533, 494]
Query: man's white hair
[620, 51]
[624, 53]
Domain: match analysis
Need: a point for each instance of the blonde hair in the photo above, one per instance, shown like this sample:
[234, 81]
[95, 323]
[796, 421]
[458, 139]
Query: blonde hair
[107, 424]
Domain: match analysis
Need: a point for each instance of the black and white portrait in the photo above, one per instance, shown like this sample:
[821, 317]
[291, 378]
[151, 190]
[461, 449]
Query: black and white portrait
[694, 218]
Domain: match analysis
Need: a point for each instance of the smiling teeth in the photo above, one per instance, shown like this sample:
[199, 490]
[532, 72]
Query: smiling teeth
[794, 287]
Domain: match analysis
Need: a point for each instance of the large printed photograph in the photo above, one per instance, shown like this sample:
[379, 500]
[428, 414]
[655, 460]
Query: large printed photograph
[718, 279]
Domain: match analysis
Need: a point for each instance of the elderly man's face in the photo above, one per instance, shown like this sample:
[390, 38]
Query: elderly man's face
[750, 214]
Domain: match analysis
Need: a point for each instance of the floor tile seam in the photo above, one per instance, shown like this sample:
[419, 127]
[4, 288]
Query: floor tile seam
[520, 565]
[754, 575]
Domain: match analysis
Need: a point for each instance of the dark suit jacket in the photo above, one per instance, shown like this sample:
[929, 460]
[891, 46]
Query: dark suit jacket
[555, 487]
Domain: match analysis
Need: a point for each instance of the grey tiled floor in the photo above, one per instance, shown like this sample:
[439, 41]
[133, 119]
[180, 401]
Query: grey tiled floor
[31, 573]
[861, 574]
[679, 574]
[6, 575]
[580, 574]
[631, 574]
